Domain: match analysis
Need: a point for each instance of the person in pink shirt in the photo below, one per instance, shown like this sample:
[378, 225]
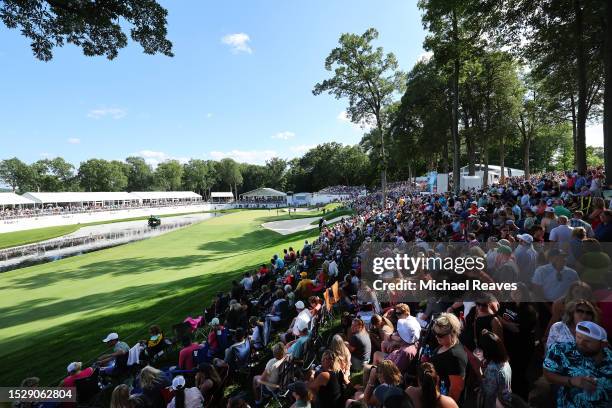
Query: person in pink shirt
[186, 354]
[75, 373]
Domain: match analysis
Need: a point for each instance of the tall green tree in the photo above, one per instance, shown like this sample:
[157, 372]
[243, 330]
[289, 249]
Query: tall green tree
[229, 174]
[275, 173]
[97, 27]
[102, 175]
[168, 175]
[140, 174]
[196, 176]
[368, 78]
[15, 173]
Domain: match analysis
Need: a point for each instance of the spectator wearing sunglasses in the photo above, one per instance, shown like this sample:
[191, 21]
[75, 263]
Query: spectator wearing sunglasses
[450, 358]
[582, 369]
[576, 311]
[551, 281]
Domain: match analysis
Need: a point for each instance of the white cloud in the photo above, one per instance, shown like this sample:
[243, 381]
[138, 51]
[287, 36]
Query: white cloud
[115, 113]
[245, 156]
[238, 42]
[286, 135]
[594, 135]
[364, 125]
[74, 140]
[424, 56]
[301, 149]
[154, 158]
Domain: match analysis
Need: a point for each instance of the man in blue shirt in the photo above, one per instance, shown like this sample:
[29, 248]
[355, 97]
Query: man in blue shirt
[552, 280]
[583, 370]
[603, 232]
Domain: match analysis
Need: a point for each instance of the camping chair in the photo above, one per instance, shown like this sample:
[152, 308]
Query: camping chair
[278, 393]
[88, 390]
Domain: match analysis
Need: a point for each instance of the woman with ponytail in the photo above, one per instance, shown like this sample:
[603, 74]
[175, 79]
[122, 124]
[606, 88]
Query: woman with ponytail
[185, 397]
[427, 393]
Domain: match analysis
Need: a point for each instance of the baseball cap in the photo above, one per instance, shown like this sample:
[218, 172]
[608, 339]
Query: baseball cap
[111, 336]
[556, 252]
[592, 330]
[74, 366]
[299, 304]
[178, 382]
[504, 249]
[503, 242]
[299, 387]
[214, 321]
[549, 210]
[303, 275]
[525, 237]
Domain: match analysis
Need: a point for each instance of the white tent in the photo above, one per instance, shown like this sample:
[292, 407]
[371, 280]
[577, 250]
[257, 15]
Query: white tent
[222, 196]
[165, 196]
[12, 200]
[263, 193]
[81, 198]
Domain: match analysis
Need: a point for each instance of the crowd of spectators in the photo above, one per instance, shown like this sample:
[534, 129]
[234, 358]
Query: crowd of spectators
[493, 349]
[28, 212]
[352, 191]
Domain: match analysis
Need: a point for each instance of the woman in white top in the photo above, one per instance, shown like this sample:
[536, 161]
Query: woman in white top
[185, 397]
[564, 331]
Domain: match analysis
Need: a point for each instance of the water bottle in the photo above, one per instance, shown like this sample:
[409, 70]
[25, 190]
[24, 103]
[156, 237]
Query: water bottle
[443, 388]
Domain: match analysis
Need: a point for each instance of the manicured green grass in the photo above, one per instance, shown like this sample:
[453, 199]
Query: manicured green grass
[55, 313]
[17, 238]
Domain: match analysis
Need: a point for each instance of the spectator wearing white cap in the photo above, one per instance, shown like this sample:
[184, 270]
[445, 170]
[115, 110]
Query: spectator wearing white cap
[185, 397]
[583, 369]
[107, 361]
[304, 317]
[526, 257]
[75, 372]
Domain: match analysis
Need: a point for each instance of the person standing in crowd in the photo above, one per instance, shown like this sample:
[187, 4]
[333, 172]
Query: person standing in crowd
[327, 384]
[495, 387]
[552, 280]
[449, 358]
[581, 369]
[519, 320]
[603, 231]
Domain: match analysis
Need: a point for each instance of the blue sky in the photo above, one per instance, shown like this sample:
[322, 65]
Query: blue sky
[239, 85]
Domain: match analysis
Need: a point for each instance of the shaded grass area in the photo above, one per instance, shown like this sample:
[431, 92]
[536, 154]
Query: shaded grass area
[55, 313]
[17, 238]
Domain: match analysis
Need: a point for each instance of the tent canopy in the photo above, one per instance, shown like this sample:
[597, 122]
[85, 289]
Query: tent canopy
[166, 195]
[262, 193]
[14, 199]
[80, 197]
[221, 194]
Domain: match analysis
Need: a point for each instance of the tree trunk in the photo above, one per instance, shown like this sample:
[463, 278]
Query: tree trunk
[574, 130]
[470, 146]
[581, 81]
[485, 161]
[455, 110]
[526, 146]
[383, 172]
[502, 154]
[445, 155]
[607, 115]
